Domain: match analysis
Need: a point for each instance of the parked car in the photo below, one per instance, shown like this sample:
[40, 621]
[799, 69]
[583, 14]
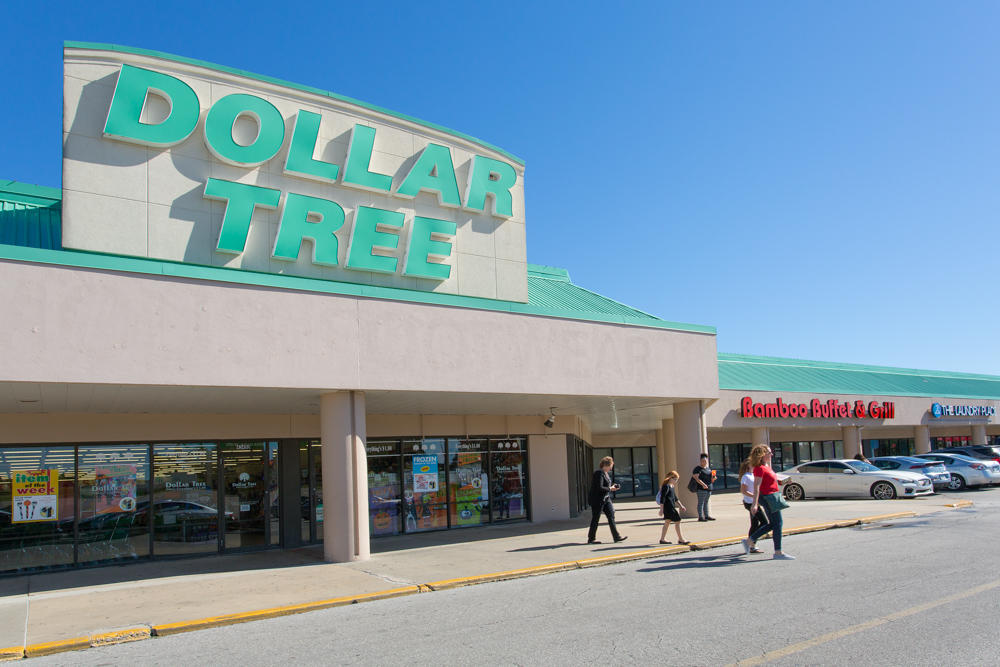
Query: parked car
[965, 470]
[847, 477]
[934, 470]
[986, 452]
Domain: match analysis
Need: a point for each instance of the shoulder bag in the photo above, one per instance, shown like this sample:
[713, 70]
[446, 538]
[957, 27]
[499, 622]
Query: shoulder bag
[774, 502]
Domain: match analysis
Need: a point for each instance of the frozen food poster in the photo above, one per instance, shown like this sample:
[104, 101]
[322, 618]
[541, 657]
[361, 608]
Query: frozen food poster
[36, 496]
[425, 474]
[114, 489]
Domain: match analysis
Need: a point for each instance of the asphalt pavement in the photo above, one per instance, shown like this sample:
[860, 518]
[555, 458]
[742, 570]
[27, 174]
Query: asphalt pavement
[917, 591]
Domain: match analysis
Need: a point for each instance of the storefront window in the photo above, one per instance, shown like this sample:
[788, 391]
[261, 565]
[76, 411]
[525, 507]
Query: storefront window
[114, 498]
[424, 497]
[384, 516]
[508, 476]
[622, 472]
[186, 499]
[468, 484]
[37, 507]
[950, 441]
[642, 471]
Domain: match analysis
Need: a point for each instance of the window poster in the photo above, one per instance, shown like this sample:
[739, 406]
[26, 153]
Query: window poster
[35, 496]
[114, 489]
[425, 474]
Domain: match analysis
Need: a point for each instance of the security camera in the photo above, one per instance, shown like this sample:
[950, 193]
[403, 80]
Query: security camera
[551, 421]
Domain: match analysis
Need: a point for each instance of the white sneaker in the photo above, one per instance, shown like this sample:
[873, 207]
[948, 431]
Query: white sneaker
[746, 547]
[784, 556]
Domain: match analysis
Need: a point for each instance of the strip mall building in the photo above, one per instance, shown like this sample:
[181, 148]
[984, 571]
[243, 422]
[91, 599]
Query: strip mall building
[261, 315]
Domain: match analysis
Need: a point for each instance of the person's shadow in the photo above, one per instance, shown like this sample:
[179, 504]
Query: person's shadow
[722, 560]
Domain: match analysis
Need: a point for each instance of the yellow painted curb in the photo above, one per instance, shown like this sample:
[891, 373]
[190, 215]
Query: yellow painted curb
[48, 648]
[120, 636]
[11, 653]
[499, 576]
[960, 503]
[884, 517]
[274, 612]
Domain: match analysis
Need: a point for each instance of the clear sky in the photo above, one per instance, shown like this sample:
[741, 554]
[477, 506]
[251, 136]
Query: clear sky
[817, 180]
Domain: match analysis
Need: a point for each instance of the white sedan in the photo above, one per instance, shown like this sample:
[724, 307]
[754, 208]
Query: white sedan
[847, 477]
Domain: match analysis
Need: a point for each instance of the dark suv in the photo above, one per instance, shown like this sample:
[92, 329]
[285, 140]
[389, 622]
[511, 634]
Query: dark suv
[985, 452]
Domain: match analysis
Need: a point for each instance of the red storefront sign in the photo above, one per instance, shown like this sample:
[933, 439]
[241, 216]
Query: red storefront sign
[817, 409]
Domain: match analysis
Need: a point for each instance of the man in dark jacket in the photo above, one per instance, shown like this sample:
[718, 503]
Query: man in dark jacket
[601, 489]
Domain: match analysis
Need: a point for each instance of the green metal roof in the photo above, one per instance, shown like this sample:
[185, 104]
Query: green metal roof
[32, 225]
[752, 373]
[30, 215]
[550, 288]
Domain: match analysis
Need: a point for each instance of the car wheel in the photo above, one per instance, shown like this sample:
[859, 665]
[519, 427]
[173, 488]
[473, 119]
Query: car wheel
[794, 492]
[957, 483]
[883, 491]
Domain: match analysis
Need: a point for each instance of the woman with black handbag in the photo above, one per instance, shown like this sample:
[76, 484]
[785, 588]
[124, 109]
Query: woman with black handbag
[766, 495]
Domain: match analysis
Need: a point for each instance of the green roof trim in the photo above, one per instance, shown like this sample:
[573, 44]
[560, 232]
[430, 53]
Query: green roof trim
[95, 46]
[609, 315]
[742, 372]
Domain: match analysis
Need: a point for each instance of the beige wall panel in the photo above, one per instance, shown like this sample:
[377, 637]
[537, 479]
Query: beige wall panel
[805, 434]
[526, 424]
[719, 436]
[637, 439]
[70, 428]
[549, 480]
[486, 424]
[387, 426]
[443, 425]
[139, 329]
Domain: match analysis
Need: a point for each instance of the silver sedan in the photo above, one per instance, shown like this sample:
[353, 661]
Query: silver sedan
[847, 477]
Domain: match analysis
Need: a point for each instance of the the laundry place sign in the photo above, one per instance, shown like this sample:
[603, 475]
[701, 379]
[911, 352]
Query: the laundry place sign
[817, 409]
[283, 184]
[938, 410]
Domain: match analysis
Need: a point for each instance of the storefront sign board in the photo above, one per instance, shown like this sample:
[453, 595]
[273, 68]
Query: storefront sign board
[35, 496]
[114, 489]
[172, 159]
[425, 474]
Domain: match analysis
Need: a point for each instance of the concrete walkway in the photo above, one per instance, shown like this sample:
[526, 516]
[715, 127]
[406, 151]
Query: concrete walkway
[79, 605]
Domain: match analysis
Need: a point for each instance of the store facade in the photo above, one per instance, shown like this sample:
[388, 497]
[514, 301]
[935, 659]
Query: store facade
[807, 410]
[259, 315]
[262, 315]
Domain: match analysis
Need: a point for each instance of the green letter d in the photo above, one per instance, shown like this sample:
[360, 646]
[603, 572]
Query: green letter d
[124, 116]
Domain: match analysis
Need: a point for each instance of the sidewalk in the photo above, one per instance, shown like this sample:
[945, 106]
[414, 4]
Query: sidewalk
[43, 608]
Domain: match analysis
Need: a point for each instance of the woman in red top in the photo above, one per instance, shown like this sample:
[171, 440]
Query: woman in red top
[765, 484]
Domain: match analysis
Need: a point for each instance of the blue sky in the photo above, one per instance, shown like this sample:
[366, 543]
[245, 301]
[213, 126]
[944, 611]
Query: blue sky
[816, 180]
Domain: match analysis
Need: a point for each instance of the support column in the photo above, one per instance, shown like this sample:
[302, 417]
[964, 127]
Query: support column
[978, 434]
[669, 447]
[345, 476]
[661, 459]
[760, 435]
[922, 439]
[691, 442]
[852, 441]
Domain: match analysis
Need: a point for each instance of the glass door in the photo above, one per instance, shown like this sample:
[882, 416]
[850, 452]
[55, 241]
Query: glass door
[245, 494]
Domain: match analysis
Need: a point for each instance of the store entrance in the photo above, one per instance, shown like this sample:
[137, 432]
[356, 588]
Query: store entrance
[249, 502]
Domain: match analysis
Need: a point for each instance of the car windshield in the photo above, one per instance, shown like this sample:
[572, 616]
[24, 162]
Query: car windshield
[861, 466]
[963, 458]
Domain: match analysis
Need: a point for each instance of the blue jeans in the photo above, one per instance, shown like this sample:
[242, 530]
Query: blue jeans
[773, 524]
[703, 496]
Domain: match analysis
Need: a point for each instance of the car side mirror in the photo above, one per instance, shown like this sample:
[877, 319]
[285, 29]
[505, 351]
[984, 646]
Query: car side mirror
[848, 471]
